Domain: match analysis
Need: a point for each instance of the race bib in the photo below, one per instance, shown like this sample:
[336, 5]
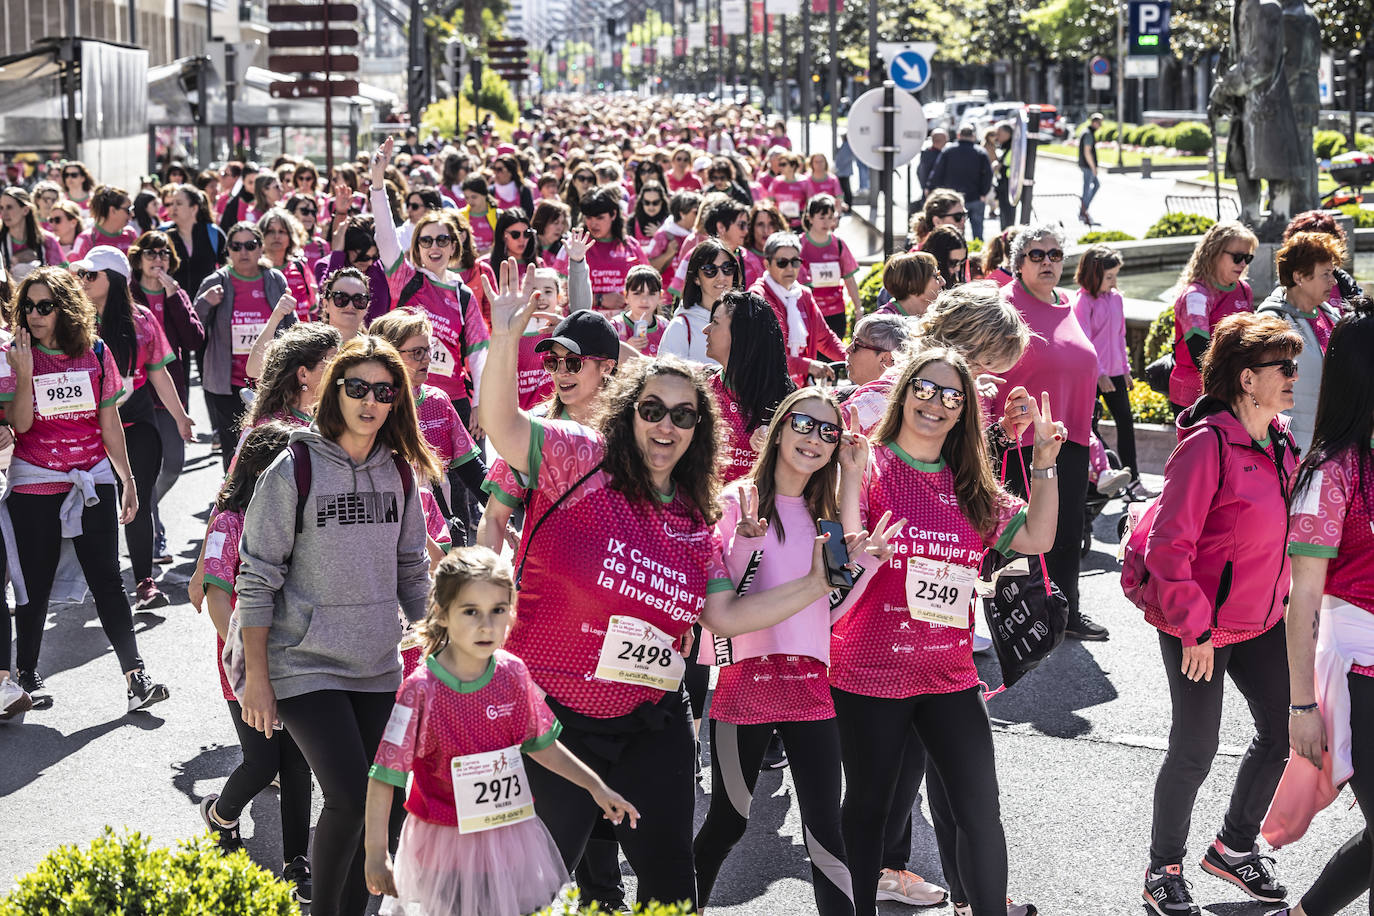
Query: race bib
[57, 394]
[790, 209]
[490, 790]
[939, 592]
[441, 361]
[825, 273]
[245, 335]
[635, 652]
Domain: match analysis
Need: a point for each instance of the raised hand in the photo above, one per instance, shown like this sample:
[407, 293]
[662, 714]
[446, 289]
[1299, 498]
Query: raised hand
[21, 353]
[1049, 433]
[513, 302]
[987, 384]
[880, 545]
[1016, 414]
[214, 295]
[749, 524]
[380, 159]
[165, 280]
[578, 241]
[855, 449]
[286, 305]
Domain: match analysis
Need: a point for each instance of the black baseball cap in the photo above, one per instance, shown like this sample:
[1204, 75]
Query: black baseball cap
[585, 333]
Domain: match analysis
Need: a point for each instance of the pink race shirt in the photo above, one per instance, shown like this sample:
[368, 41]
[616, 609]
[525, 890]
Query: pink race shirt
[1331, 517]
[459, 330]
[737, 456]
[63, 439]
[154, 352]
[1196, 312]
[300, 282]
[609, 262]
[688, 182]
[222, 571]
[472, 280]
[533, 384]
[653, 332]
[753, 266]
[483, 232]
[156, 298]
[824, 269]
[878, 649]
[438, 717]
[870, 401]
[827, 185]
[790, 196]
[772, 688]
[1060, 359]
[252, 312]
[442, 428]
[95, 237]
[600, 555]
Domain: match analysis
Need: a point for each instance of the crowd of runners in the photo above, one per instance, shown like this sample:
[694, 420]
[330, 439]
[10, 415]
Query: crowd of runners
[609, 389]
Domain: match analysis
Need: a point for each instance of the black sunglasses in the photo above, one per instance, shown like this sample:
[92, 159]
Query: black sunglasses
[443, 240]
[1289, 367]
[44, 307]
[925, 389]
[359, 301]
[683, 417]
[572, 363]
[584, 178]
[412, 206]
[360, 256]
[1238, 258]
[957, 217]
[710, 270]
[156, 254]
[786, 263]
[1036, 255]
[72, 175]
[87, 274]
[803, 424]
[357, 389]
[250, 245]
[307, 211]
[517, 233]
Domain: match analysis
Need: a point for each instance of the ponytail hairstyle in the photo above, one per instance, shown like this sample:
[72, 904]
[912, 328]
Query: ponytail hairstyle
[301, 346]
[456, 570]
[998, 250]
[939, 203]
[260, 448]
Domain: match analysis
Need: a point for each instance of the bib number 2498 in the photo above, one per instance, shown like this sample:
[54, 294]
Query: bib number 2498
[636, 652]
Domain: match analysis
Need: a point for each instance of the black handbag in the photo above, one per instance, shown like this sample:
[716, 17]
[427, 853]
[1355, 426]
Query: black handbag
[1026, 613]
[1157, 374]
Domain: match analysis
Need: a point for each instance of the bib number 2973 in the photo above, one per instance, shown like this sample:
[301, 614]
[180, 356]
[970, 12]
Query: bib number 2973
[636, 652]
[490, 790]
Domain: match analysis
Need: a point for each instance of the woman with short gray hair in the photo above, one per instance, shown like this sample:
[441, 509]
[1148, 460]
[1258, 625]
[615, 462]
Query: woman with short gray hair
[1062, 361]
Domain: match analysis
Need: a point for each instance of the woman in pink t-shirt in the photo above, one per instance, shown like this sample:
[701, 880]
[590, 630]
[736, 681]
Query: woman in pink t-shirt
[24, 244]
[283, 241]
[60, 395]
[902, 658]
[624, 562]
[1213, 287]
[612, 253]
[111, 210]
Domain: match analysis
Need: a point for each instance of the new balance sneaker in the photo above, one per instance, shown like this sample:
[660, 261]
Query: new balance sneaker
[298, 873]
[31, 682]
[905, 887]
[148, 596]
[1013, 909]
[226, 835]
[1253, 873]
[15, 702]
[143, 692]
[1166, 892]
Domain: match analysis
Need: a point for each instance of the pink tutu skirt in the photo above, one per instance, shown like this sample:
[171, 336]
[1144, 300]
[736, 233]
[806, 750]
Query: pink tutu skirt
[507, 871]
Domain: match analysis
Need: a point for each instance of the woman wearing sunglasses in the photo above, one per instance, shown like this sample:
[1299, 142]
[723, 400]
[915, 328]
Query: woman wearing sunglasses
[622, 563]
[946, 244]
[1213, 287]
[1213, 578]
[64, 222]
[804, 331]
[1306, 266]
[943, 207]
[111, 212]
[282, 241]
[510, 188]
[612, 253]
[550, 223]
[60, 398]
[581, 180]
[719, 217]
[650, 212]
[418, 202]
[709, 272]
[480, 210]
[1061, 360]
[514, 239]
[325, 663]
[77, 183]
[426, 280]
[902, 658]
[776, 679]
[235, 305]
[681, 178]
[306, 209]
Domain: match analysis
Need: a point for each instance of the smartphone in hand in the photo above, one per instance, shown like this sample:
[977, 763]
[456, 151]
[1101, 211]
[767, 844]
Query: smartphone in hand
[836, 554]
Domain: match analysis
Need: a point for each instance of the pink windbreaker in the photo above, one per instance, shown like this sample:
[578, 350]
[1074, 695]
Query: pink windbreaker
[1217, 551]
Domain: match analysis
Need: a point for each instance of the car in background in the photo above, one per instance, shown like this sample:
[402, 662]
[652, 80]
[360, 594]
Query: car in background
[956, 108]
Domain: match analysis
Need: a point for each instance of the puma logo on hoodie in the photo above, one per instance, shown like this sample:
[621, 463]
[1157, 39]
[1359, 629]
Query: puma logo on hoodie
[356, 509]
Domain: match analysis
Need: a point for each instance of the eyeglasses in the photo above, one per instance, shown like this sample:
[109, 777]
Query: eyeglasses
[803, 424]
[856, 344]
[44, 307]
[414, 205]
[306, 211]
[957, 217]
[250, 245]
[710, 270]
[1238, 258]
[361, 256]
[416, 354]
[443, 240]
[787, 263]
[571, 364]
[584, 178]
[652, 411]
[1289, 367]
[156, 254]
[1037, 255]
[514, 234]
[87, 275]
[652, 201]
[359, 301]
[72, 175]
[924, 389]
[357, 389]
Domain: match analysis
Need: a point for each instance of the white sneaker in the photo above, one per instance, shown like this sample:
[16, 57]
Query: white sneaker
[14, 702]
[905, 887]
[1113, 482]
[981, 644]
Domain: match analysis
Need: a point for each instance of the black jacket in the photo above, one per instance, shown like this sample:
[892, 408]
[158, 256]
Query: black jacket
[963, 167]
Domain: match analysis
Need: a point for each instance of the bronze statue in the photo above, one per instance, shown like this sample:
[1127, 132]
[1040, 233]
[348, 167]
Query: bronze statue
[1269, 88]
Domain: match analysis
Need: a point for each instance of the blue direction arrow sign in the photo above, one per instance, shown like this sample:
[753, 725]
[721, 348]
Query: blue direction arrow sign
[909, 70]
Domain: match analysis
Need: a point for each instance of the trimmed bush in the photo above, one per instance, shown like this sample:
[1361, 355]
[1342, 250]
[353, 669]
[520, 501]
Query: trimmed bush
[1150, 135]
[1364, 143]
[869, 288]
[975, 246]
[124, 874]
[1189, 137]
[1160, 337]
[1148, 405]
[1176, 224]
[1108, 131]
[1328, 143]
[1103, 236]
[1364, 219]
[566, 905]
[1131, 134]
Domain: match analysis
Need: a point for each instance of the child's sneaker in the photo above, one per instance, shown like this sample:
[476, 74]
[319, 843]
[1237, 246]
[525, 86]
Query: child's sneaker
[226, 835]
[298, 873]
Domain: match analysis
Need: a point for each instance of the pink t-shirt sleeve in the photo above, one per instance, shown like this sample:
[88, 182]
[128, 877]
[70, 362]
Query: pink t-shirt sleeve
[1317, 519]
[222, 550]
[541, 726]
[7, 376]
[502, 484]
[1011, 517]
[848, 266]
[112, 386]
[561, 453]
[396, 752]
[154, 351]
[1191, 314]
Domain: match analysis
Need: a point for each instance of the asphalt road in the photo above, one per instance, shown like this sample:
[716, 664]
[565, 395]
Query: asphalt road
[1078, 742]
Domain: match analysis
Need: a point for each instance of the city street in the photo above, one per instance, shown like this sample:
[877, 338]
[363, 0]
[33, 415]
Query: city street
[1079, 742]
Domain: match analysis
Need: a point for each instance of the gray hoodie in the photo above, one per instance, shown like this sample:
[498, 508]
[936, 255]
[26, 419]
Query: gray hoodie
[1310, 363]
[329, 594]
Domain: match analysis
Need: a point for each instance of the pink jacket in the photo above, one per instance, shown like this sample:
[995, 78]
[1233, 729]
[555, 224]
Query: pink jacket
[821, 342]
[1216, 554]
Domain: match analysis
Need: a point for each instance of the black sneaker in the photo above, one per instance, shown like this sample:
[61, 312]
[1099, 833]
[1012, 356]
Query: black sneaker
[775, 758]
[1167, 894]
[227, 837]
[298, 873]
[32, 683]
[1253, 874]
[1086, 629]
[143, 692]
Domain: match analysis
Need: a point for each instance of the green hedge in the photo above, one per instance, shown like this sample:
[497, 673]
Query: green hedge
[1364, 219]
[1328, 143]
[1104, 236]
[567, 905]
[1189, 137]
[870, 286]
[1160, 337]
[1175, 224]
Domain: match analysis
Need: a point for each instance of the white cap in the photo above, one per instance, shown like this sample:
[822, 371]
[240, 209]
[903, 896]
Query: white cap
[702, 162]
[104, 257]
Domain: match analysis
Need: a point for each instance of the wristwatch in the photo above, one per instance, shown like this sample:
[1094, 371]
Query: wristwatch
[1043, 473]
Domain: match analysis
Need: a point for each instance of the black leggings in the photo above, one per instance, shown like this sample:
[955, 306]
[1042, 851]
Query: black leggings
[338, 731]
[955, 731]
[1064, 558]
[1259, 668]
[226, 410]
[97, 550]
[813, 754]
[1119, 403]
[173, 461]
[145, 460]
[696, 680]
[652, 767]
[897, 831]
[6, 635]
[1350, 873]
[264, 758]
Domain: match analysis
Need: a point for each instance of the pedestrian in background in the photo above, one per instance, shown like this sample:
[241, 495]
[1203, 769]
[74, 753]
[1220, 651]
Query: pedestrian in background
[929, 154]
[965, 168]
[1087, 164]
